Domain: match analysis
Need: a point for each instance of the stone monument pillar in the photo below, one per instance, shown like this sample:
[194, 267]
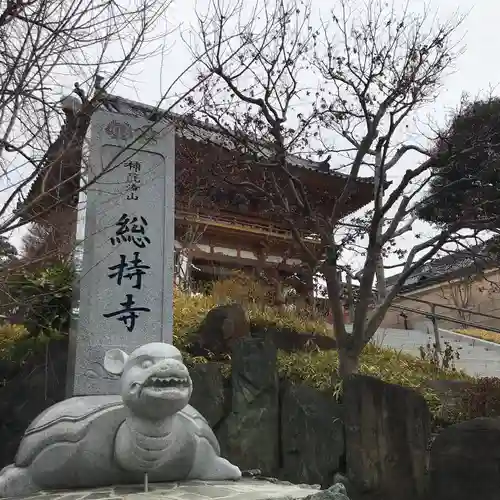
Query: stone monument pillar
[127, 272]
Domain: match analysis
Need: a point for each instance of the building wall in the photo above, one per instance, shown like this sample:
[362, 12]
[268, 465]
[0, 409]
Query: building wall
[480, 295]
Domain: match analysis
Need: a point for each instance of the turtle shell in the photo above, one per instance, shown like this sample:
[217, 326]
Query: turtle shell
[200, 426]
[66, 421]
[70, 420]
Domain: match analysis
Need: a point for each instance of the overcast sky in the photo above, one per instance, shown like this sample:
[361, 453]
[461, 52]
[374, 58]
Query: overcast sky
[476, 71]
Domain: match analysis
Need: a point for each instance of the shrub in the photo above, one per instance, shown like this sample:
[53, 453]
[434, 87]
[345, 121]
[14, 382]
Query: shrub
[259, 299]
[10, 335]
[290, 319]
[189, 312]
[392, 366]
[42, 298]
[481, 400]
[243, 289]
[444, 359]
[16, 343]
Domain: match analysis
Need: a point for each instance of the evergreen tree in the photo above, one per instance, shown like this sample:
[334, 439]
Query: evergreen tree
[7, 251]
[465, 183]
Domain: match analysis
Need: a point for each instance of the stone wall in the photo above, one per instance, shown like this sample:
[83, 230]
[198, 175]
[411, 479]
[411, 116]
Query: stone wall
[377, 436]
[376, 439]
[465, 461]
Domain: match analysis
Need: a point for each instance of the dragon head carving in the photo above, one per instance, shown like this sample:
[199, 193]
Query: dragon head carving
[155, 383]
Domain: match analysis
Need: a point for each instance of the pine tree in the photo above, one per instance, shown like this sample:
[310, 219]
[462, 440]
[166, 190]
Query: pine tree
[465, 183]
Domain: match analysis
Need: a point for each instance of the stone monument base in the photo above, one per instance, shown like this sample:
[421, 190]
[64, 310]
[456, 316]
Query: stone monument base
[245, 489]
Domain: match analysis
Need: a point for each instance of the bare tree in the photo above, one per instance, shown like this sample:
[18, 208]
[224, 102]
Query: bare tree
[35, 242]
[461, 294]
[346, 88]
[46, 46]
[188, 190]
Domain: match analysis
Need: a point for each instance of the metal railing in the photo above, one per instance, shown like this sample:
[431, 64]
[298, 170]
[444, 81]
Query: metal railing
[434, 317]
[446, 306]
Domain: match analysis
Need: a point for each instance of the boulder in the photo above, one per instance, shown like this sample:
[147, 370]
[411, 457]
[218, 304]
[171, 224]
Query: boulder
[335, 492]
[289, 340]
[210, 394]
[249, 436]
[387, 431]
[465, 461]
[312, 435]
[222, 326]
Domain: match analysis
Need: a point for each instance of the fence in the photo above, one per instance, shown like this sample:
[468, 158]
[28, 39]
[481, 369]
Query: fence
[434, 317]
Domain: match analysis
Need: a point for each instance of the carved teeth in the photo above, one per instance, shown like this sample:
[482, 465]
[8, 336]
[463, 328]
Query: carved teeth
[172, 381]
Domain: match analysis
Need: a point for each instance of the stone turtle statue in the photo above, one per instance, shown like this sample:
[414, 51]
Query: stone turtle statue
[93, 441]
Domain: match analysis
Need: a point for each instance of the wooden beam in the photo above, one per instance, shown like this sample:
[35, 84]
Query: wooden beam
[238, 261]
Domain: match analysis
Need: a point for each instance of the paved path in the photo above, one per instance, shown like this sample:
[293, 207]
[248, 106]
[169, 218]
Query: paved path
[246, 489]
[477, 357]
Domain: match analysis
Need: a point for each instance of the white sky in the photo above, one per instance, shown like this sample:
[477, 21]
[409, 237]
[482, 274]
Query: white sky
[475, 71]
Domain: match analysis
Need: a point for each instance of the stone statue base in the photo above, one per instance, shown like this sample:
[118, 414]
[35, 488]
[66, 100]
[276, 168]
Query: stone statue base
[245, 489]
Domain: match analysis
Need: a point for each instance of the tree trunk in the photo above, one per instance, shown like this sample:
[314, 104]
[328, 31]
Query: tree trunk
[279, 295]
[348, 362]
[379, 200]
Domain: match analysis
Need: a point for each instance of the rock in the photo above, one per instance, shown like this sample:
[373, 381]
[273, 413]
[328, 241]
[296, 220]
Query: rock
[339, 478]
[312, 435]
[387, 430]
[210, 395]
[251, 473]
[335, 492]
[222, 326]
[291, 341]
[249, 436]
[465, 461]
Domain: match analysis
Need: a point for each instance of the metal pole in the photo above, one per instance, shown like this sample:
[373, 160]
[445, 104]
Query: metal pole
[350, 298]
[437, 340]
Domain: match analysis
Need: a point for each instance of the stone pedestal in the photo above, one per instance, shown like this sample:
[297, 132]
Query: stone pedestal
[248, 489]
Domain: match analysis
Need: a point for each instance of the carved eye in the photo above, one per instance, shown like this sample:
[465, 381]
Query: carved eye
[147, 363]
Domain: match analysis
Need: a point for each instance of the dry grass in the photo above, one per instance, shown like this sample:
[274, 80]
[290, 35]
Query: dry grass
[189, 311]
[386, 364]
[317, 368]
[481, 334]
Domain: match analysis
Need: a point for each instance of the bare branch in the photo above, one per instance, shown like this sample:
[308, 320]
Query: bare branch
[372, 68]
